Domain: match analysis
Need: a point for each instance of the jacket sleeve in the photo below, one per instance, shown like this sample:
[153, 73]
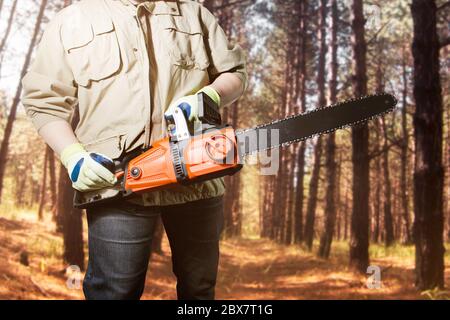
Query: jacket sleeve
[49, 90]
[224, 56]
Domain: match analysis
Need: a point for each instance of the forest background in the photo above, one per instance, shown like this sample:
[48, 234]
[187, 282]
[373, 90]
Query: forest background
[342, 208]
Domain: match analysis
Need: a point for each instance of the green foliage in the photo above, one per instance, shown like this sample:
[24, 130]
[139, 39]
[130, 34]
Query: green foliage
[398, 250]
[46, 247]
[436, 294]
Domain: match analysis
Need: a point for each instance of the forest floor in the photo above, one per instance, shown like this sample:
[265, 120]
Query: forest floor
[249, 269]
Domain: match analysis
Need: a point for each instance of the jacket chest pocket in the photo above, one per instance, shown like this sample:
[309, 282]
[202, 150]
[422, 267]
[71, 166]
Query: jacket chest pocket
[185, 43]
[93, 51]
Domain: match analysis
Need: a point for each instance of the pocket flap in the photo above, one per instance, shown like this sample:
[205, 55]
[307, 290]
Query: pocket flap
[102, 25]
[76, 35]
[180, 24]
[109, 146]
[93, 52]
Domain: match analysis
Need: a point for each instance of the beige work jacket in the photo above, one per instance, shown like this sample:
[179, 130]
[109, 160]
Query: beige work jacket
[123, 75]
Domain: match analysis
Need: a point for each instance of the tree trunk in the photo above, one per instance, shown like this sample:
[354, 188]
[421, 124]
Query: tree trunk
[7, 31]
[60, 209]
[428, 170]
[274, 212]
[312, 200]
[283, 175]
[270, 204]
[346, 222]
[72, 225]
[338, 198]
[277, 212]
[377, 202]
[290, 199]
[20, 191]
[388, 220]
[52, 174]
[43, 186]
[299, 195]
[447, 207]
[404, 194]
[282, 199]
[314, 185]
[266, 205]
[293, 82]
[13, 111]
[330, 206]
[377, 195]
[237, 212]
[209, 4]
[359, 243]
[387, 200]
[299, 191]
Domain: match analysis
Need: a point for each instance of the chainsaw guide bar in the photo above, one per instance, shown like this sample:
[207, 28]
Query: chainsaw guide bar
[300, 127]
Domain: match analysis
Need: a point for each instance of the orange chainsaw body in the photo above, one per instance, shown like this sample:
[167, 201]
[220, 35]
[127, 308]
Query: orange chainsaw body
[201, 157]
[155, 167]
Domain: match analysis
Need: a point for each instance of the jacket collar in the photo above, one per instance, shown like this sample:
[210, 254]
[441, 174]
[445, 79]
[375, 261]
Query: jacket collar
[158, 7]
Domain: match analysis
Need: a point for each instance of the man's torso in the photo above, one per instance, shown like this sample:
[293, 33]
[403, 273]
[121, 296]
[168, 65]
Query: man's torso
[130, 62]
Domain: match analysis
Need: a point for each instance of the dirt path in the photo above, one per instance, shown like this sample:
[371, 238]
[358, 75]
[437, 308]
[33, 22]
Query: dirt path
[249, 269]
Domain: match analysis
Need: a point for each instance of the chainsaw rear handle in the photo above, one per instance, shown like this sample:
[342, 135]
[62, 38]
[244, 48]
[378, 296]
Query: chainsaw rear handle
[208, 111]
[83, 200]
[120, 165]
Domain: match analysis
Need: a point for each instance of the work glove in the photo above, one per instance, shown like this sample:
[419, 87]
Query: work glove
[189, 104]
[87, 170]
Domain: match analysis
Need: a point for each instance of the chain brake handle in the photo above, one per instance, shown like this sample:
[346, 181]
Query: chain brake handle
[208, 112]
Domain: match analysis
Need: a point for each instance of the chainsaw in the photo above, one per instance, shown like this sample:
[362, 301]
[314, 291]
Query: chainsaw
[206, 149]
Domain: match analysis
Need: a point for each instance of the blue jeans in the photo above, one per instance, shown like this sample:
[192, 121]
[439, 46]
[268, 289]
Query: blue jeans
[120, 237]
